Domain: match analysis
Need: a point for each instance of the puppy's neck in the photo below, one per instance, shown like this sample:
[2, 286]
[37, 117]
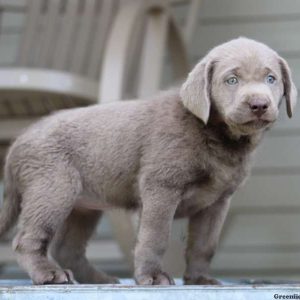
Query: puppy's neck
[217, 124]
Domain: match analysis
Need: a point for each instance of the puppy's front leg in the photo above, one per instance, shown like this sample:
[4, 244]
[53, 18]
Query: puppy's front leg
[204, 232]
[157, 214]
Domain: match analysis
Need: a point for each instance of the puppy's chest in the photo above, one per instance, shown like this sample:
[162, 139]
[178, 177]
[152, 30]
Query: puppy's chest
[221, 181]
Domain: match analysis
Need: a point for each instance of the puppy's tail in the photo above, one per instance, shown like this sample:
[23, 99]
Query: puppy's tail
[10, 208]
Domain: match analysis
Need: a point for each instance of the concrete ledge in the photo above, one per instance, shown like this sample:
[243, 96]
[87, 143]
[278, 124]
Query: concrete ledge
[22, 289]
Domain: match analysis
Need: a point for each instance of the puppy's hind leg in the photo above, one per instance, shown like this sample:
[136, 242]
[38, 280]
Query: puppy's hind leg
[48, 199]
[69, 246]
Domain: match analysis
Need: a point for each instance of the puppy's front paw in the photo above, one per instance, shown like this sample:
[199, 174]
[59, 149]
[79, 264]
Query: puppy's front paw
[201, 280]
[54, 276]
[158, 278]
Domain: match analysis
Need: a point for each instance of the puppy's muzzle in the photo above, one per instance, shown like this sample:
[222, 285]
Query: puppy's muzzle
[258, 105]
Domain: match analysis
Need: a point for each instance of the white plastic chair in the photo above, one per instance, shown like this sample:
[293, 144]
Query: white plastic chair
[79, 52]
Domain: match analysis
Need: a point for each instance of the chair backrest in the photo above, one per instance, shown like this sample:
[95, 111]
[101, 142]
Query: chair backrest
[66, 35]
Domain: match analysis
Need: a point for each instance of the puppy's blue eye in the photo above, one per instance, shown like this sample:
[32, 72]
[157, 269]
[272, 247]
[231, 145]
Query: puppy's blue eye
[232, 80]
[270, 79]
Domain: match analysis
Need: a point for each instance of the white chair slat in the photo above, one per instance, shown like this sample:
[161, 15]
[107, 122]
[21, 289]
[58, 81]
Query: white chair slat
[30, 35]
[61, 55]
[82, 43]
[115, 60]
[133, 59]
[50, 30]
[153, 52]
[192, 20]
[102, 25]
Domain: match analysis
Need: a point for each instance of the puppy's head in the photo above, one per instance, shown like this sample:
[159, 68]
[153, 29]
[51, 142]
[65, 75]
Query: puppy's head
[244, 81]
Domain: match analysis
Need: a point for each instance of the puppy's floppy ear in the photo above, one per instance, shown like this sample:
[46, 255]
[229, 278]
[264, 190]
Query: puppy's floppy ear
[290, 90]
[195, 92]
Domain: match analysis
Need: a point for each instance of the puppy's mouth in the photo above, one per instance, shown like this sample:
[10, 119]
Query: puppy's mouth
[250, 125]
[258, 123]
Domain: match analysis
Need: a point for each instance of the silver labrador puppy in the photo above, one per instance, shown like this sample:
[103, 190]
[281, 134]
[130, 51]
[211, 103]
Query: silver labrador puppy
[182, 154]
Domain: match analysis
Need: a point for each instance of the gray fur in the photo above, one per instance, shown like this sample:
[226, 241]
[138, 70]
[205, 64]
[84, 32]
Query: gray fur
[181, 154]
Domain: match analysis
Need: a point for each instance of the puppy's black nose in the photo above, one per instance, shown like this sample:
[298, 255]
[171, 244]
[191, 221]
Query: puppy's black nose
[258, 106]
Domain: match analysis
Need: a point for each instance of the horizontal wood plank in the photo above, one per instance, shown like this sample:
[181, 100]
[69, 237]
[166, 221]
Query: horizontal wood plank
[278, 152]
[265, 229]
[18, 6]
[269, 192]
[284, 39]
[12, 21]
[257, 262]
[245, 8]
